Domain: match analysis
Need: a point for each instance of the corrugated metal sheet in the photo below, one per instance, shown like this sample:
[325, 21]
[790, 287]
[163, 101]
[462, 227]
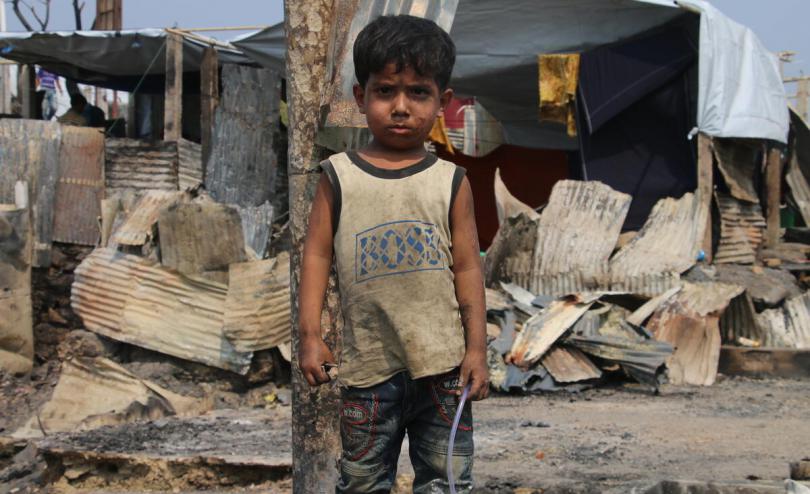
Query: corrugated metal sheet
[257, 224]
[541, 331]
[577, 232]
[797, 320]
[134, 300]
[139, 225]
[774, 329]
[642, 359]
[509, 205]
[349, 21]
[666, 246]
[739, 320]
[132, 164]
[201, 238]
[80, 189]
[16, 324]
[96, 392]
[510, 256]
[29, 151]
[190, 165]
[257, 308]
[243, 164]
[690, 322]
[799, 189]
[741, 230]
[569, 365]
[738, 163]
[645, 311]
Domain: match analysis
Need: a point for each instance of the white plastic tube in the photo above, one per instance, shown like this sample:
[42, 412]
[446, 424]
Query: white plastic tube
[450, 447]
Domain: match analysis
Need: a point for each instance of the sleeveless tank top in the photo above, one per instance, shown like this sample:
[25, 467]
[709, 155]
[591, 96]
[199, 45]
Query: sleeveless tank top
[392, 248]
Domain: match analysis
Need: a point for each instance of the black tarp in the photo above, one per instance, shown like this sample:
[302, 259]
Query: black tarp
[639, 91]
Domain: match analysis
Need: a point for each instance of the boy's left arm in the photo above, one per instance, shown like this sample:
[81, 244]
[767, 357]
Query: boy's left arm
[469, 284]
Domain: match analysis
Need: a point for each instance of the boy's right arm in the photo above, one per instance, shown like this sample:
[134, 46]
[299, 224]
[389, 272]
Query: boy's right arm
[312, 351]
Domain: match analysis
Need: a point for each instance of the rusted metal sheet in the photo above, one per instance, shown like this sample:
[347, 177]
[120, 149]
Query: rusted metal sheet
[644, 360]
[201, 238]
[797, 320]
[510, 256]
[243, 165]
[742, 230]
[799, 188]
[351, 17]
[774, 329]
[16, 326]
[96, 392]
[577, 232]
[666, 246]
[257, 223]
[137, 301]
[80, 189]
[189, 164]
[509, 205]
[542, 330]
[690, 322]
[257, 308]
[139, 227]
[645, 311]
[132, 164]
[29, 152]
[568, 365]
[738, 163]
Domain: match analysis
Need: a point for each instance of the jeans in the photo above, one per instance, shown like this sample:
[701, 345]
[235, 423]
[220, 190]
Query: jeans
[373, 423]
[49, 104]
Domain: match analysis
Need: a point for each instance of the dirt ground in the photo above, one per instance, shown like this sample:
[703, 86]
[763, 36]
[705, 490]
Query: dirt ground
[610, 439]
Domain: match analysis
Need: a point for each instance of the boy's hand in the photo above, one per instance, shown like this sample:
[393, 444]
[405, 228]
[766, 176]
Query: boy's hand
[474, 370]
[312, 354]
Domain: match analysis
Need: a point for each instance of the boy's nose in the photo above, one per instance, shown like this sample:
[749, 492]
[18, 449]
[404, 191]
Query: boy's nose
[400, 104]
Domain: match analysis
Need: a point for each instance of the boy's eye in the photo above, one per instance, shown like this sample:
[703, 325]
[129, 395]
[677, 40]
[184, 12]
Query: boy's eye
[420, 91]
[384, 90]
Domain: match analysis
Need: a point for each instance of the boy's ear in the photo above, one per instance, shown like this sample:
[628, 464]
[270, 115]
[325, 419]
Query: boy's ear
[444, 99]
[359, 97]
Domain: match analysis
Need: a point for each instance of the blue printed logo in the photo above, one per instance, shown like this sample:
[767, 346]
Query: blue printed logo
[397, 248]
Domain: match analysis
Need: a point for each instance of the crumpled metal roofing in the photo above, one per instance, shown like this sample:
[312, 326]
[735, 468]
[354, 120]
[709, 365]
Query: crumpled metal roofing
[511, 254]
[542, 330]
[577, 232]
[16, 332]
[137, 301]
[568, 365]
[139, 226]
[797, 320]
[799, 188]
[644, 360]
[666, 246]
[742, 228]
[189, 164]
[257, 307]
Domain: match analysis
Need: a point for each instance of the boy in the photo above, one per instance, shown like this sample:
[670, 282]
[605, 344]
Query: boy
[402, 228]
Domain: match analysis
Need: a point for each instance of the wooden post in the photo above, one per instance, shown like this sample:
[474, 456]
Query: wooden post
[773, 186]
[705, 192]
[802, 95]
[209, 99]
[315, 421]
[27, 91]
[173, 111]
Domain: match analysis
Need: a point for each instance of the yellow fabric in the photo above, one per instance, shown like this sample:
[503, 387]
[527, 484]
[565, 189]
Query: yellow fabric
[558, 87]
[438, 134]
[285, 119]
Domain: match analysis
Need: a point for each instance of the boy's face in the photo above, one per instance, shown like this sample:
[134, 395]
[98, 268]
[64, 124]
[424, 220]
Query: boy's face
[400, 107]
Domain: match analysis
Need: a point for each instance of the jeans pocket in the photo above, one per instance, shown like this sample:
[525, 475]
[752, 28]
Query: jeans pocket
[444, 389]
[358, 425]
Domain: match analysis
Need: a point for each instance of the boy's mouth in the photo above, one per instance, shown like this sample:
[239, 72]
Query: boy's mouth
[399, 129]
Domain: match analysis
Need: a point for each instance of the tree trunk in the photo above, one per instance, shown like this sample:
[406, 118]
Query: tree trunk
[315, 422]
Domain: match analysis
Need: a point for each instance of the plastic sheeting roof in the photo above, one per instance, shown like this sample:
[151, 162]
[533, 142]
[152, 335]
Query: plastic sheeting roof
[114, 59]
[267, 47]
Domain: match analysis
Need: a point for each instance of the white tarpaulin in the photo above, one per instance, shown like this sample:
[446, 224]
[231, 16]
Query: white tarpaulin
[740, 89]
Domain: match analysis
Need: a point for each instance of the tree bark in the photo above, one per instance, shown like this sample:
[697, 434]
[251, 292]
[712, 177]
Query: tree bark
[315, 421]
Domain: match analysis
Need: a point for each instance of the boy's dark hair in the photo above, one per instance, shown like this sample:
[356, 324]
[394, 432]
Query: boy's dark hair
[408, 41]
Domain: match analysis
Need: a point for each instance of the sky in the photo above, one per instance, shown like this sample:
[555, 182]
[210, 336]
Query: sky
[780, 24]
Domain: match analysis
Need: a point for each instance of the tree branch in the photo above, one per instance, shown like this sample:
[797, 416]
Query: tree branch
[77, 13]
[15, 5]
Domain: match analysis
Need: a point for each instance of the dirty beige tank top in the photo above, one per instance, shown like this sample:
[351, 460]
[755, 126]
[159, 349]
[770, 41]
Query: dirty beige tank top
[392, 248]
